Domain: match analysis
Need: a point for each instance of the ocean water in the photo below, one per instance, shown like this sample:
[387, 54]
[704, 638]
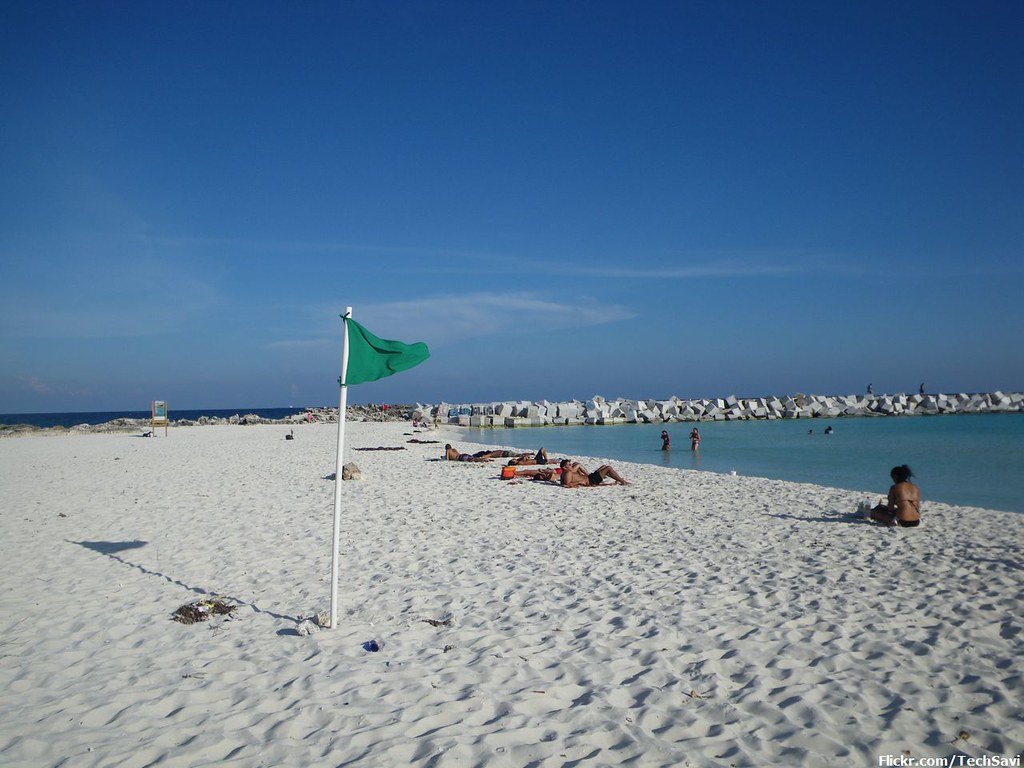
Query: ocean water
[101, 417]
[973, 460]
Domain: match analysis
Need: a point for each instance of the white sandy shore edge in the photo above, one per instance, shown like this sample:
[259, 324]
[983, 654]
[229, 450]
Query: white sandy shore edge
[688, 619]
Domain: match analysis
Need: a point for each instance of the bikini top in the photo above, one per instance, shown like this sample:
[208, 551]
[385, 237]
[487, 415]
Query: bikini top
[914, 502]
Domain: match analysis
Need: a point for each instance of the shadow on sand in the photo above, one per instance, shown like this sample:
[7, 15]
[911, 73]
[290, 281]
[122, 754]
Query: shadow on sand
[839, 517]
[111, 548]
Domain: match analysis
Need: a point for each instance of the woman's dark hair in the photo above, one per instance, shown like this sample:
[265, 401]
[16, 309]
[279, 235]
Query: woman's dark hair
[900, 474]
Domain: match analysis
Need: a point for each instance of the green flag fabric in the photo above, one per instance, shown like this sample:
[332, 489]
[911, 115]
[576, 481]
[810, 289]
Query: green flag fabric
[371, 358]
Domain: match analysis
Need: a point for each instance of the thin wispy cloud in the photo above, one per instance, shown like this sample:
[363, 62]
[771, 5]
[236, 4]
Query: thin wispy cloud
[800, 264]
[37, 385]
[450, 318]
[717, 264]
[672, 273]
[440, 260]
[313, 247]
[447, 319]
[94, 318]
[109, 298]
[33, 383]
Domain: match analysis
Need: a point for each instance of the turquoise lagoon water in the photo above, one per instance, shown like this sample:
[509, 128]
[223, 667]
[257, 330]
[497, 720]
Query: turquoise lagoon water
[973, 460]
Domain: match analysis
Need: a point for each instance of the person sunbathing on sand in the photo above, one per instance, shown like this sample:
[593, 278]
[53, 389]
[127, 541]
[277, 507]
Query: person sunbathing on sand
[904, 503]
[452, 454]
[541, 457]
[575, 476]
[544, 473]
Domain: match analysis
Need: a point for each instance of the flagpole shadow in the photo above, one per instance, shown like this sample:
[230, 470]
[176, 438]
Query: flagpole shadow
[112, 548]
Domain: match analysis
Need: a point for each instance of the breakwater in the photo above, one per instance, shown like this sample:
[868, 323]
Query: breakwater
[598, 410]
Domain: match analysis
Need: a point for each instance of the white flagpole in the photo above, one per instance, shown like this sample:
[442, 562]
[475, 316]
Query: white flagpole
[337, 472]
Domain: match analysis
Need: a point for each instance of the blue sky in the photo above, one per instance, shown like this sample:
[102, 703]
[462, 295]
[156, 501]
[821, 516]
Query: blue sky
[561, 200]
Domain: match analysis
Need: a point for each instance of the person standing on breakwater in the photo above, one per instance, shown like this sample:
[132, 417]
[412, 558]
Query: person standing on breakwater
[666, 441]
[903, 507]
[694, 439]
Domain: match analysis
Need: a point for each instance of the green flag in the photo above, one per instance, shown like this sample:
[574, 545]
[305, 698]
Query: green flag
[371, 358]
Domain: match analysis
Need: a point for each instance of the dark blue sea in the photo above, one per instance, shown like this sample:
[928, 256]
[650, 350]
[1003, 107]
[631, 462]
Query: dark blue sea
[101, 417]
[972, 460]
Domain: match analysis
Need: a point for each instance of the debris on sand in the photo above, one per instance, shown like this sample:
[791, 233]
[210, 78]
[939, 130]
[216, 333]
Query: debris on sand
[202, 610]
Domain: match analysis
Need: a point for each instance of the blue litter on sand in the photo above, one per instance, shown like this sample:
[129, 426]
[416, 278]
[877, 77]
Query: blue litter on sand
[371, 646]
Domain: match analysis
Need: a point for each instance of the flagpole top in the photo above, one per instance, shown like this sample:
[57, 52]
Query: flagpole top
[348, 312]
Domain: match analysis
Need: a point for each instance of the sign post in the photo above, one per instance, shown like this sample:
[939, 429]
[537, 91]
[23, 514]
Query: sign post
[159, 416]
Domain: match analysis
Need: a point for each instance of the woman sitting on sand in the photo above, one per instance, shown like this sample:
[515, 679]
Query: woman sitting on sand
[904, 502]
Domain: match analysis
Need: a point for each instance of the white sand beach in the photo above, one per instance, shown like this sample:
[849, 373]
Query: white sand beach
[686, 619]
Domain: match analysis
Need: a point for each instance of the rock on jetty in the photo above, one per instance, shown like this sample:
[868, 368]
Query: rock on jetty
[597, 410]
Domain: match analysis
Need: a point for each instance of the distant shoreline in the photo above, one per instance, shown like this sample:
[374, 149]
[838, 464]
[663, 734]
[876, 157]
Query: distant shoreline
[242, 417]
[523, 413]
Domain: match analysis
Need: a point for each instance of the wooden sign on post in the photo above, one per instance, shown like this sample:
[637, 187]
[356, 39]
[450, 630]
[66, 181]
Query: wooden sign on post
[159, 410]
